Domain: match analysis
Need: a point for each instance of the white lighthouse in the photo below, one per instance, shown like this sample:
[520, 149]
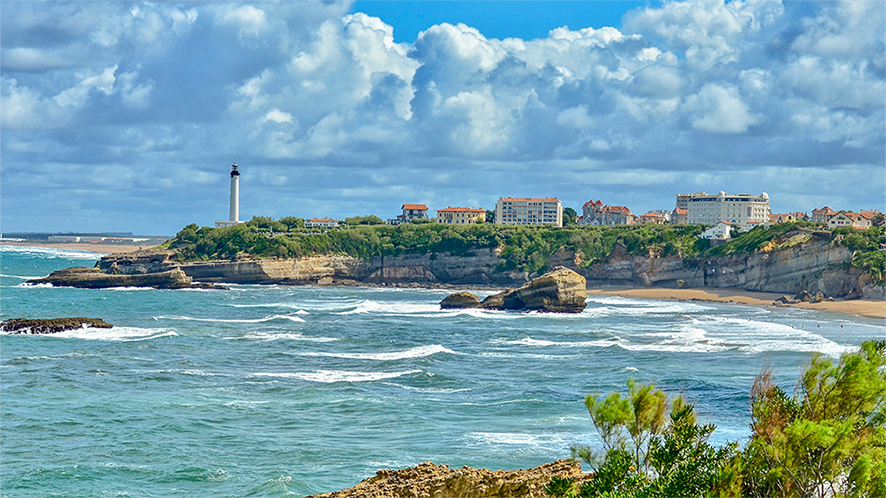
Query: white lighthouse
[235, 200]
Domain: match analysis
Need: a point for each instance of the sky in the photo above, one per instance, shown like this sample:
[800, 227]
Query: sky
[126, 116]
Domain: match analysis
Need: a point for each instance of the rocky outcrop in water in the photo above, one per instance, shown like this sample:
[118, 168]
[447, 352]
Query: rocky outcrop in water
[561, 290]
[50, 325]
[439, 481]
[94, 278]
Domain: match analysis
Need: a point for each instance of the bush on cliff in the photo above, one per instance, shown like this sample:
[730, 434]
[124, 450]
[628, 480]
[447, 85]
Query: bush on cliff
[827, 440]
[522, 247]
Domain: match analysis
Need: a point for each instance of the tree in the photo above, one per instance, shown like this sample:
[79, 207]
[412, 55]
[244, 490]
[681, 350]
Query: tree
[651, 453]
[364, 220]
[829, 439]
[570, 217]
[490, 216]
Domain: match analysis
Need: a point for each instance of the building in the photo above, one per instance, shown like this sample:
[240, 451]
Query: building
[234, 212]
[778, 219]
[596, 213]
[678, 216]
[720, 231]
[737, 209]
[410, 212]
[523, 211]
[321, 223]
[822, 215]
[461, 215]
[653, 218]
[855, 220]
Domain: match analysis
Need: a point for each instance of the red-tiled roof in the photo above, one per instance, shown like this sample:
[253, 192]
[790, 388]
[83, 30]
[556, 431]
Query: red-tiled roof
[320, 220]
[681, 210]
[651, 215]
[415, 206]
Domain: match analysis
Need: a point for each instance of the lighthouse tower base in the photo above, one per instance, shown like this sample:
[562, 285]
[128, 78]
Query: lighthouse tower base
[226, 224]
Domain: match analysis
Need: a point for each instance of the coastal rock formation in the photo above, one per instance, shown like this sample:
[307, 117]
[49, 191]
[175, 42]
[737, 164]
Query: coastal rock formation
[50, 325]
[460, 300]
[94, 278]
[815, 264]
[561, 290]
[439, 481]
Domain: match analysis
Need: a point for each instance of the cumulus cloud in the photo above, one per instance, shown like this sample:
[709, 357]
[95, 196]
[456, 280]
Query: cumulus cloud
[318, 102]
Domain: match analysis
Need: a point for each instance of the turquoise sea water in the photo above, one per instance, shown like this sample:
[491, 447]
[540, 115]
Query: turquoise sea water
[288, 391]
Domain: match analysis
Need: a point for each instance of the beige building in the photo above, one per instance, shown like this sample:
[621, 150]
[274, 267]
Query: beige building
[461, 215]
[320, 222]
[822, 215]
[596, 213]
[844, 219]
[737, 209]
[523, 211]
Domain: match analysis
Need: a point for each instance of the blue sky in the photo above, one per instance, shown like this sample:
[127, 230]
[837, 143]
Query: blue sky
[126, 116]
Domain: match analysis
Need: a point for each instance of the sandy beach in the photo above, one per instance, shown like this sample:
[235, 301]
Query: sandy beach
[83, 246]
[864, 307]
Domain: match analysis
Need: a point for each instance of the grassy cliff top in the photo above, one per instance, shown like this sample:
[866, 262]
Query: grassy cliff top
[522, 247]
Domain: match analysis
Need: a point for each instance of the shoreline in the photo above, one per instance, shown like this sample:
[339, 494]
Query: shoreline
[77, 246]
[868, 308]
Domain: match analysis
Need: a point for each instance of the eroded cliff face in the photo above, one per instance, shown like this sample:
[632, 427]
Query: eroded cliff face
[815, 265]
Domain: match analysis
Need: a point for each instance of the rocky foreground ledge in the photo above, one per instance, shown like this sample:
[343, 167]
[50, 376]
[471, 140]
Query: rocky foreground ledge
[560, 290]
[50, 325]
[96, 278]
[439, 481]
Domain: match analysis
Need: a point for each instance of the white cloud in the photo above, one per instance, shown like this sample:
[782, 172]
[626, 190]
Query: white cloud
[719, 109]
[278, 116]
[575, 117]
[249, 21]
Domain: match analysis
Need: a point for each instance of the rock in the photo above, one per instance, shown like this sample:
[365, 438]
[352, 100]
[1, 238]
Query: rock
[804, 296]
[94, 278]
[50, 325]
[460, 300]
[817, 298]
[439, 481]
[783, 300]
[495, 301]
[561, 290]
[830, 299]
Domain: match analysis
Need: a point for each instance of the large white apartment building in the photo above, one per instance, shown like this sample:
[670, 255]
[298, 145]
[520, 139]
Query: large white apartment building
[737, 209]
[521, 211]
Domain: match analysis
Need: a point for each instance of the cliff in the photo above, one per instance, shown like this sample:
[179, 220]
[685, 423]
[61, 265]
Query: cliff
[428, 479]
[814, 264]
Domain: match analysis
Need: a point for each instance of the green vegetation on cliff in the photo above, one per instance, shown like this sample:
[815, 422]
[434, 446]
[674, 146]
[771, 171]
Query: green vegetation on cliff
[827, 440]
[523, 247]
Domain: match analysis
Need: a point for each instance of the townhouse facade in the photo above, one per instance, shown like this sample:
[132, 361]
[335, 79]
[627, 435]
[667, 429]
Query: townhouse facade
[597, 213]
[320, 223]
[822, 215]
[461, 215]
[529, 211]
[737, 209]
[410, 212]
[855, 220]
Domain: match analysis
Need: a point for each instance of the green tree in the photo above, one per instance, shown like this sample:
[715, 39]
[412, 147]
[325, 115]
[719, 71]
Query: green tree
[829, 439]
[570, 217]
[652, 449]
[364, 220]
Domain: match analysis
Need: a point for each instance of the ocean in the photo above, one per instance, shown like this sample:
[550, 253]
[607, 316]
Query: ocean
[288, 391]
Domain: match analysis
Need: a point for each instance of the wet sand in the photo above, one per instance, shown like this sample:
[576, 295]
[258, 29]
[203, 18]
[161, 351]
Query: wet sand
[869, 308]
[80, 246]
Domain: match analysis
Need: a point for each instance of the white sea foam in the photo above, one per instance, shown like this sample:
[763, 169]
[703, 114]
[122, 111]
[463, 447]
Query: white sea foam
[18, 276]
[755, 336]
[416, 352]
[391, 308]
[48, 252]
[276, 336]
[601, 343]
[330, 376]
[273, 306]
[116, 334]
[34, 286]
[231, 320]
[515, 438]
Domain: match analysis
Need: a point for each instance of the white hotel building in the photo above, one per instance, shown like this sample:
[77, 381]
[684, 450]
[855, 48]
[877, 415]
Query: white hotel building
[737, 209]
[521, 211]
